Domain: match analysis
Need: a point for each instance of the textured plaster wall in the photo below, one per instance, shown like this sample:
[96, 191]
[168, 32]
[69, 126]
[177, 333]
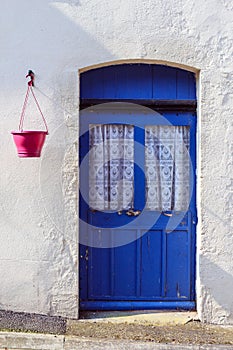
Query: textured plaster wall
[38, 202]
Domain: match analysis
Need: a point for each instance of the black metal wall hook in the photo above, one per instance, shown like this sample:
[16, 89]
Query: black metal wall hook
[32, 76]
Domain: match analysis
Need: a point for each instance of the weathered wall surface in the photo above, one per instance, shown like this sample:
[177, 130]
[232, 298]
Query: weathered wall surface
[38, 203]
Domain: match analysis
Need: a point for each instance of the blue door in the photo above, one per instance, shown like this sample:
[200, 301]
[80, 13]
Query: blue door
[137, 192]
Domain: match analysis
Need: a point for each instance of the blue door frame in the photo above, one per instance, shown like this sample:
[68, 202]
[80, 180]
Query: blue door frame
[156, 269]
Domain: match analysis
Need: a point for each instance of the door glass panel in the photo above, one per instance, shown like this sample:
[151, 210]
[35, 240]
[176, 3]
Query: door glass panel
[111, 166]
[167, 167]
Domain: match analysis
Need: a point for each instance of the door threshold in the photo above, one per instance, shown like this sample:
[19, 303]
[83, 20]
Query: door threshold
[156, 317]
[137, 305]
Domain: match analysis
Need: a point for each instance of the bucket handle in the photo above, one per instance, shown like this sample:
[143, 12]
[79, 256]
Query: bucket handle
[29, 89]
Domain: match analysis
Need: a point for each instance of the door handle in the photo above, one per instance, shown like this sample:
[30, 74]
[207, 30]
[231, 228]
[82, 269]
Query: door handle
[167, 214]
[132, 212]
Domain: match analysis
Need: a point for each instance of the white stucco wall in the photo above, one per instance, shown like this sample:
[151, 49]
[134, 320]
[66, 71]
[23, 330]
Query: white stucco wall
[38, 202]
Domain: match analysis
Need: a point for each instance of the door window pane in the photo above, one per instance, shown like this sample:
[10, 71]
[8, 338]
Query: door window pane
[111, 166]
[167, 167]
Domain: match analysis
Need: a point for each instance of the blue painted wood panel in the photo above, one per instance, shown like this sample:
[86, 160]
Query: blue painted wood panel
[178, 264]
[99, 276]
[156, 266]
[114, 82]
[164, 83]
[127, 272]
[151, 264]
[125, 259]
[138, 81]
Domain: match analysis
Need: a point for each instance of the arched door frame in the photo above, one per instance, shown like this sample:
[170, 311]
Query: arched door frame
[158, 104]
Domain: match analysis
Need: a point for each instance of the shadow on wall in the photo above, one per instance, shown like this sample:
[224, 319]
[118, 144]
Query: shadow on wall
[218, 218]
[40, 37]
[43, 37]
[218, 287]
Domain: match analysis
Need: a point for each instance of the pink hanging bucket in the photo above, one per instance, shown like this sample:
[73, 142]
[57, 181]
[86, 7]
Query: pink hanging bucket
[29, 143]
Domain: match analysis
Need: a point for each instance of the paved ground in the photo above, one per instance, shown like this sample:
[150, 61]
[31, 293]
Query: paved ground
[24, 341]
[123, 330]
[172, 327]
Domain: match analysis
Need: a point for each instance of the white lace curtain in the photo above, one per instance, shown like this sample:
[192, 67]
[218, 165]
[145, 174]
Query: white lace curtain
[167, 168]
[111, 167]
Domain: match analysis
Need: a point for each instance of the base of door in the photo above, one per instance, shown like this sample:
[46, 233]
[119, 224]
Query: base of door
[137, 305]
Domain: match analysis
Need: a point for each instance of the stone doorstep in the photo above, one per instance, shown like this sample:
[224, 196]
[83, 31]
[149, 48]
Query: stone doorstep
[144, 317]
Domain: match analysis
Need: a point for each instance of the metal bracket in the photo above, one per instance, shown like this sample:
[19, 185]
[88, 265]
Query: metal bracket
[32, 76]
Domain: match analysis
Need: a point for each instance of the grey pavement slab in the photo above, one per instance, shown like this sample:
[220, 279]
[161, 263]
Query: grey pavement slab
[73, 344]
[29, 341]
[24, 322]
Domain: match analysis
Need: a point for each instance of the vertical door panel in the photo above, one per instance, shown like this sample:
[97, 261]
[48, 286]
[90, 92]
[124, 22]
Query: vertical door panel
[99, 272]
[178, 265]
[125, 269]
[151, 264]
